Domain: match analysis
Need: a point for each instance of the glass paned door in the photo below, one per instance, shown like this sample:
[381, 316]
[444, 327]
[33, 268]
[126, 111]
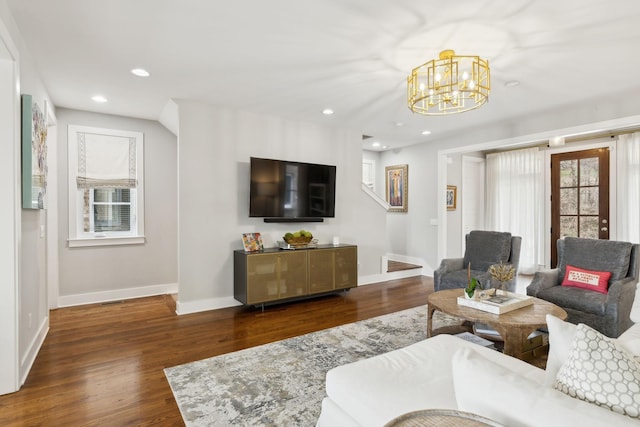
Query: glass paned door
[579, 196]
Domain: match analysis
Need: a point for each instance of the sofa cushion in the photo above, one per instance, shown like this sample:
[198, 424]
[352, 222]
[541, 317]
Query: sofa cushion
[485, 248]
[575, 298]
[586, 279]
[599, 372]
[561, 337]
[599, 255]
[378, 389]
[486, 388]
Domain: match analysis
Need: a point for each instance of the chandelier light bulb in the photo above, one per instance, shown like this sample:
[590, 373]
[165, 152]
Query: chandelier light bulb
[465, 76]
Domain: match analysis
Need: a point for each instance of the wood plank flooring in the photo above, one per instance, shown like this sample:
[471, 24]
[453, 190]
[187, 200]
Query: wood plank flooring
[102, 365]
[400, 266]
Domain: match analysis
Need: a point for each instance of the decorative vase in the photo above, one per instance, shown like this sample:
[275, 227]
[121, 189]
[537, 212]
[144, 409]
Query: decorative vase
[503, 288]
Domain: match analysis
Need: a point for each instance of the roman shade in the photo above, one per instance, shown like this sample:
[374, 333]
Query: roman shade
[106, 161]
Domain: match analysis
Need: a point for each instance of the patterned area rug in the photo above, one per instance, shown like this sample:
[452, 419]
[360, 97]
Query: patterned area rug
[282, 383]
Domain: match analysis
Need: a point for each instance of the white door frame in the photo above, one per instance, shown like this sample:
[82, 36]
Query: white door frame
[10, 219]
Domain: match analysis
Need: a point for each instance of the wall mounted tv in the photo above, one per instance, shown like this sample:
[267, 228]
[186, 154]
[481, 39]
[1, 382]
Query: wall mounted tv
[283, 191]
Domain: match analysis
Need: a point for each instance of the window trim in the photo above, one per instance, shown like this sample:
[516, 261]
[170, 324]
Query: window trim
[77, 236]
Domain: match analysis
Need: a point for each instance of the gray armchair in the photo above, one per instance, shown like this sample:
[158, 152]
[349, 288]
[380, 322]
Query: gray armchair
[608, 313]
[483, 249]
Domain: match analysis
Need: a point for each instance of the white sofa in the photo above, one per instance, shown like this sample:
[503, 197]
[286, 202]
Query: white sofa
[446, 372]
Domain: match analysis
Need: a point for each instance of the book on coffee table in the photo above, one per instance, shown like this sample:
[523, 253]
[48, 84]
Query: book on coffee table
[498, 303]
[468, 336]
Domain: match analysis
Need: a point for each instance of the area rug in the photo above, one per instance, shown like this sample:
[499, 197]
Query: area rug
[282, 383]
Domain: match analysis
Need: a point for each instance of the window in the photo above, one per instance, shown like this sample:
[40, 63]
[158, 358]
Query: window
[106, 187]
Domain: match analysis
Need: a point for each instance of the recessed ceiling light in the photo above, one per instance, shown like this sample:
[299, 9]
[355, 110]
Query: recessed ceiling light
[99, 98]
[140, 72]
[512, 83]
[384, 147]
[426, 132]
[327, 111]
[375, 144]
[399, 124]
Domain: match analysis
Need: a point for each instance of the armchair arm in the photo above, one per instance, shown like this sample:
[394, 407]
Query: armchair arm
[446, 265]
[544, 279]
[618, 306]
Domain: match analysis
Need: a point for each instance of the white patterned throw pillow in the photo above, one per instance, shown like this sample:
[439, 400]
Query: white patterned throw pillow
[599, 372]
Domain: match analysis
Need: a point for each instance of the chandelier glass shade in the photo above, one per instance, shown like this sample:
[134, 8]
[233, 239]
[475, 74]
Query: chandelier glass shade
[450, 84]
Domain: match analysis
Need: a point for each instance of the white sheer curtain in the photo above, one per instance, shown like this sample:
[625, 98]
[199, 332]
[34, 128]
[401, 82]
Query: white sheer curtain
[515, 201]
[628, 188]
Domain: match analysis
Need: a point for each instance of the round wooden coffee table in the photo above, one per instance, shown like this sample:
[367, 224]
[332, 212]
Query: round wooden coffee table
[514, 326]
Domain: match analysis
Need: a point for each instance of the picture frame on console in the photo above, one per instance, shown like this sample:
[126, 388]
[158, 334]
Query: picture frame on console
[397, 187]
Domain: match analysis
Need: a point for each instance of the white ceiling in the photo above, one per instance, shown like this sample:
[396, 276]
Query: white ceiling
[293, 58]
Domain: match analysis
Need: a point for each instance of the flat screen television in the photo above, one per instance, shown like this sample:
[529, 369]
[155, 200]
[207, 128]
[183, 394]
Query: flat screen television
[283, 191]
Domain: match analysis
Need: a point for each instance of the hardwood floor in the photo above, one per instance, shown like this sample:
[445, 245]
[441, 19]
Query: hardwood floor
[103, 364]
[400, 266]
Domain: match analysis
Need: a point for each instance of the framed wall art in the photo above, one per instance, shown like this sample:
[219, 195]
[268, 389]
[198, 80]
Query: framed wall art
[397, 187]
[34, 154]
[452, 195]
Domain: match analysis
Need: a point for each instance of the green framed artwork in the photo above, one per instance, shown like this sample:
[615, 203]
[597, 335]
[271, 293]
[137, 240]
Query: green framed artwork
[34, 154]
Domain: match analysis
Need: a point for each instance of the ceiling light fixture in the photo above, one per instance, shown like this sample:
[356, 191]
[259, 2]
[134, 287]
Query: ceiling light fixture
[448, 85]
[327, 111]
[556, 141]
[140, 72]
[99, 98]
[426, 132]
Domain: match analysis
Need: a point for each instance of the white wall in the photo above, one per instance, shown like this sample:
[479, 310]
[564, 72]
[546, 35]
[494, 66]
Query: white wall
[214, 147]
[454, 217]
[92, 274]
[24, 290]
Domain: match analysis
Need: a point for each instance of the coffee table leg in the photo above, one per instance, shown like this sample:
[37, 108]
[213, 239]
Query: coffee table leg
[514, 340]
[430, 311]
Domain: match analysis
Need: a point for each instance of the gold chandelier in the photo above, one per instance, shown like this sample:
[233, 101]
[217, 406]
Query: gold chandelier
[450, 84]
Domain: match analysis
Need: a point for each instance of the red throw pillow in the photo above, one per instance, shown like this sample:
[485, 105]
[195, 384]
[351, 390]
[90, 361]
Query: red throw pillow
[586, 279]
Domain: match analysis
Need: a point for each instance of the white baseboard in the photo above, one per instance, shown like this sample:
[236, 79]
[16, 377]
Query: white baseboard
[189, 307]
[117, 295]
[32, 351]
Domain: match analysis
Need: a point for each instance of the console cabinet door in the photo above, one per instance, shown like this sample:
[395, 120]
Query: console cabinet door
[271, 277]
[346, 268]
[321, 270]
[293, 274]
[331, 269]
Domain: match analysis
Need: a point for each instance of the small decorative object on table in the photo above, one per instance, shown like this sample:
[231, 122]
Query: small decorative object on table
[252, 242]
[502, 273]
[472, 285]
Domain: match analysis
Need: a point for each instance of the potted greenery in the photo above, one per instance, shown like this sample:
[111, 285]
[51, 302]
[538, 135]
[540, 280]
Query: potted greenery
[470, 290]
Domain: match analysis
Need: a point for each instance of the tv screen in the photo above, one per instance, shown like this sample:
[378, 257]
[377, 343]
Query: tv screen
[291, 190]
